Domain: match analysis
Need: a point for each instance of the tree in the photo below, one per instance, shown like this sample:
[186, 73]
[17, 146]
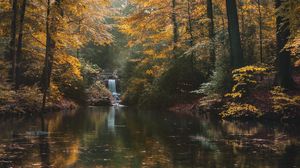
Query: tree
[46, 57]
[175, 27]
[190, 23]
[69, 25]
[234, 34]
[211, 32]
[20, 43]
[190, 31]
[12, 46]
[260, 31]
[284, 74]
[50, 46]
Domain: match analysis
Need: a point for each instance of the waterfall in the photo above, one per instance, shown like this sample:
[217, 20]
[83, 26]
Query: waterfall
[112, 86]
[113, 89]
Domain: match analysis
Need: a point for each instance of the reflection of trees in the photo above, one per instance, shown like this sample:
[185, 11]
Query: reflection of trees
[80, 131]
[156, 155]
[146, 139]
[67, 156]
[256, 136]
[289, 157]
[213, 144]
[15, 148]
[238, 128]
[60, 132]
[170, 134]
[250, 142]
[43, 144]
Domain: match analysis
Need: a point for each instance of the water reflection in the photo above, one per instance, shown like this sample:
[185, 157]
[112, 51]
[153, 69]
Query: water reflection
[121, 137]
[44, 144]
[111, 119]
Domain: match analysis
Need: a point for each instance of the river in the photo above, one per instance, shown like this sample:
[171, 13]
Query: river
[123, 137]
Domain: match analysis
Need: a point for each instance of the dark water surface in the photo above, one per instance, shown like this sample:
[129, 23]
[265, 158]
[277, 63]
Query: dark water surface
[121, 137]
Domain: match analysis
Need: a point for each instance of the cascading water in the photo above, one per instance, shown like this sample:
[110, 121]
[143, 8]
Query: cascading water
[113, 88]
[112, 85]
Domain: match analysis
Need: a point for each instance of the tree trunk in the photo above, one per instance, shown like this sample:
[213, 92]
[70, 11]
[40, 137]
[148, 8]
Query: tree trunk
[12, 45]
[44, 81]
[212, 53]
[20, 43]
[190, 24]
[175, 27]
[236, 53]
[190, 30]
[51, 30]
[244, 38]
[284, 74]
[260, 32]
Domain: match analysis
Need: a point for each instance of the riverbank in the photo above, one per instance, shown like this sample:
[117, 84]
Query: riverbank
[14, 109]
[261, 99]
[27, 100]
[252, 97]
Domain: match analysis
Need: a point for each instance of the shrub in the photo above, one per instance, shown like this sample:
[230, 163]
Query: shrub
[245, 80]
[75, 91]
[3, 71]
[241, 110]
[6, 98]
[283, 102]
[155, 97]
[55, 94]
[219, 81]
[135, 88]
[184, 79]
[29, 99]
[26, 100]
[90, 72]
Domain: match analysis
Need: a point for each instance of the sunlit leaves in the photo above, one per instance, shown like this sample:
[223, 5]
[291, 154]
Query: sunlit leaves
[282, 101]
[245, 79]
[290, 11]
[67, 69]
[237, 110]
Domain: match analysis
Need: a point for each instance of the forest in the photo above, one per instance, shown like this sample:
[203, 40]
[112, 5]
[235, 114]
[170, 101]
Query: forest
[234, 60]
[243, 54]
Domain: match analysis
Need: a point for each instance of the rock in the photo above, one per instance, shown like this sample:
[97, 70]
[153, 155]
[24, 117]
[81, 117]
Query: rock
[99, 95]
[101, 102]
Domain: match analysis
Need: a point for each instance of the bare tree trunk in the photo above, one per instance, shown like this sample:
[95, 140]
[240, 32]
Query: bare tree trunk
[260, 32]
[46, 62]
[284, 73]
[244, 38]
[12, 45]
[234, 35]
[175, 27]
[211, 28]
[190, 24]
[190, 30]
[51, 30]
[20, 44]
